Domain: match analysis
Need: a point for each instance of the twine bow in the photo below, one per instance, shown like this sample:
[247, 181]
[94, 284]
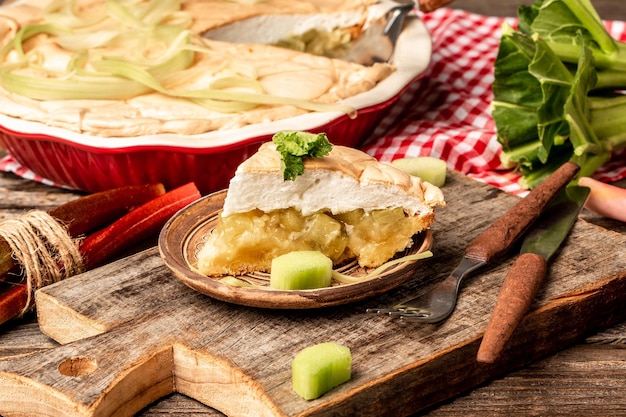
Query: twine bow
[43, 248]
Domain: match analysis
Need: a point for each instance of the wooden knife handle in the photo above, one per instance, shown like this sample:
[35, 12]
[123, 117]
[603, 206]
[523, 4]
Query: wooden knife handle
[520, 286]
[427, 6]
[503, 233]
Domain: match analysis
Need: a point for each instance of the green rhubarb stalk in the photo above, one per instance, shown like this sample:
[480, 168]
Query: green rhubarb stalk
[319, 368]
[348, 279]
[559, 21]
[552, 104]
[301, 270]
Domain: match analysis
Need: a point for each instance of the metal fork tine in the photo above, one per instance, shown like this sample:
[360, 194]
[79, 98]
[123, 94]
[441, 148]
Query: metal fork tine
[423, 317]
[380, 310]
[437, 304]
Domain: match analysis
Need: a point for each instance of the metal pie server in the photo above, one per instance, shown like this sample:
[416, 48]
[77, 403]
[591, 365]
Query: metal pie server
[525, 277]
[381, 26]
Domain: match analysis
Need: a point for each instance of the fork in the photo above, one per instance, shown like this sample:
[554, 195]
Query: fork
[438, 304]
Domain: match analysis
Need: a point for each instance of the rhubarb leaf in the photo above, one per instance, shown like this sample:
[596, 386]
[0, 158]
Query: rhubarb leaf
[559, 90]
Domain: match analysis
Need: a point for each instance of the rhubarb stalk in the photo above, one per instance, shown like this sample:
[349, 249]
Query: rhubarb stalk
[136, 226]
[13, 298]
[91, 212]
[605, 199]
[100, 246]
[95, 211]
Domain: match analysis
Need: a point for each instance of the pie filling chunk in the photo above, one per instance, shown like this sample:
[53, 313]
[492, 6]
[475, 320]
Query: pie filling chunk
[256, 237]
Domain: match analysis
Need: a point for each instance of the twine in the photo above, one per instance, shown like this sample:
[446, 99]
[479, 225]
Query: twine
[43, 248]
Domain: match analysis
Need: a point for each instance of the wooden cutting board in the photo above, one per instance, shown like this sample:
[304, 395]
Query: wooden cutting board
[130, 333]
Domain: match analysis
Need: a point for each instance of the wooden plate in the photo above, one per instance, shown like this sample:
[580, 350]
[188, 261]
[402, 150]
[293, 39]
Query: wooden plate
[184, 234]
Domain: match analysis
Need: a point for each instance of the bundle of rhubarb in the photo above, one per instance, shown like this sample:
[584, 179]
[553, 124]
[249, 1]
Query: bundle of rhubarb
[102, 226]
[559, 90]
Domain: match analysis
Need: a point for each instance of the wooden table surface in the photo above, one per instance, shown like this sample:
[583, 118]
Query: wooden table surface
[587, 379]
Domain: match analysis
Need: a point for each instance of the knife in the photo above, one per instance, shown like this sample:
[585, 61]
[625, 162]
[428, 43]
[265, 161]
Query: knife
[525, 277]
[493, 242]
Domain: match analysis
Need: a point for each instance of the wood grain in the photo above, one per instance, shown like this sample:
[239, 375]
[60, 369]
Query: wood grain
[587, 379]
[572, 380]
[237, 359]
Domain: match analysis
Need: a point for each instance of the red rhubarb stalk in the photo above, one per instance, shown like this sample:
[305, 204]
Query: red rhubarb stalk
[91, 212]
[94, 211]
[13, 298]
[99, 247]
[605, 199]
[141, 223]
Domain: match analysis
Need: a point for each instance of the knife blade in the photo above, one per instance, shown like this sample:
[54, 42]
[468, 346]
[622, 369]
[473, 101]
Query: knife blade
[527, 274]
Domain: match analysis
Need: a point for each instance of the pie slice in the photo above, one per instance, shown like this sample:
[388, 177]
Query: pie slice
[346, 205]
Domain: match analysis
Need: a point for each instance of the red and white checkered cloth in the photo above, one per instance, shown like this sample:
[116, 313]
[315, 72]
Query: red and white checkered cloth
[446, 112]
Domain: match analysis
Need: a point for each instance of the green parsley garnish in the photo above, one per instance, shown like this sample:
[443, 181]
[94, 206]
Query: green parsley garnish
[294, 146]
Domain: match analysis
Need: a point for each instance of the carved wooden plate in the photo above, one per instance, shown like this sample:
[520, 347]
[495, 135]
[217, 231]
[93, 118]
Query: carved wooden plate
[184, 234]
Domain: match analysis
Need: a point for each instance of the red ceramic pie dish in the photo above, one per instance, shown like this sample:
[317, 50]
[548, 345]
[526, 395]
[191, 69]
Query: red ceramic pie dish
[92, 163]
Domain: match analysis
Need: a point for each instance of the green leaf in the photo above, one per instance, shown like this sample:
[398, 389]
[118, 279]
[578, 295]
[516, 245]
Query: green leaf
[581, 133]
[556, 85]
[559, 90]
[517, 93]
[559, 22]
[295, 146]
[534, 173]
[527, 15]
